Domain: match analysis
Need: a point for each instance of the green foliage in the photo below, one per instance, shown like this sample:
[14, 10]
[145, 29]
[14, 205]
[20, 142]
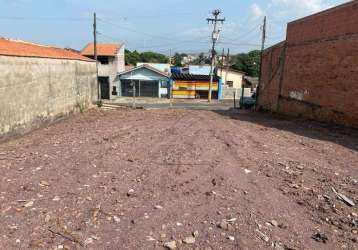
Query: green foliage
[99, 103]
[177, 59]
[248, 62]
[132, 58]
[202, 60]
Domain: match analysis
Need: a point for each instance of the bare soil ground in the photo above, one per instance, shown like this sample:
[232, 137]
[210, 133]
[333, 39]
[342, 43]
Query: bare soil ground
[199, 179]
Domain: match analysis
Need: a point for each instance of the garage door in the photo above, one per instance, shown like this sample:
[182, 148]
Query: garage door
[143, 88]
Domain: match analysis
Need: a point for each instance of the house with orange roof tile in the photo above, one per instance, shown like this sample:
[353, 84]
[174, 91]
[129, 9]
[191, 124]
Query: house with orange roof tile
[111, 61]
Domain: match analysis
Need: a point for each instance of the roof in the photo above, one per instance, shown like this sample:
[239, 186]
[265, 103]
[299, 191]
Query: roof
[147, 67]
[191, 77]
[252, 80]
[231, 70]
[103, 49]
[9, 47]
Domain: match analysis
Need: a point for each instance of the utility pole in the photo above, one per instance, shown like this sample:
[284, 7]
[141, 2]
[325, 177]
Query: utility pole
[95, 53]
[227, 64]
[222, 62]
[215, 38]
[261, 56]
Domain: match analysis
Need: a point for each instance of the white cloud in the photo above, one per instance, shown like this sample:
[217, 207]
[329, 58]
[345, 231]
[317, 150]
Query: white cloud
[256, 10]
[302, 6]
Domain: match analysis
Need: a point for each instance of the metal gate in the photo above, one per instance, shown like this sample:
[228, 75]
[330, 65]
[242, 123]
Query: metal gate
[142, 88]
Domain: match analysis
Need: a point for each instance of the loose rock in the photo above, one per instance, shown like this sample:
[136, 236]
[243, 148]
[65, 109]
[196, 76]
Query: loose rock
[170, 245]
[189, 240]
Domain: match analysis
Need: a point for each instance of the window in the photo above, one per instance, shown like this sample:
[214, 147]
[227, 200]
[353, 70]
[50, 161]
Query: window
[230, 83]
[103, 60]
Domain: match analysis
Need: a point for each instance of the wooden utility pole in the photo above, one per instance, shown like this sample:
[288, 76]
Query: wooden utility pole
[261, 56]
[215, 38]
[95, 53]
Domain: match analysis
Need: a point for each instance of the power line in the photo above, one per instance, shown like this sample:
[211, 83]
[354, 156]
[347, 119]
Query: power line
[152, 46]
[72, 19]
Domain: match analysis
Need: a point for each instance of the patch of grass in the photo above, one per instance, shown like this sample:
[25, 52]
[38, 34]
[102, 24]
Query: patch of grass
[99, 103]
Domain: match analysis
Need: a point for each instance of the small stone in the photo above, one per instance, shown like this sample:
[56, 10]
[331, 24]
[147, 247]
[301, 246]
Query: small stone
[17, 241]
[179, 224]
[274, 223]
[163, 235]
[29, 204]
[196, 233]
[158, 207]
[223, 225]
[263, 236]
[170, 245]
[247, 171]
[88, 241]
[189, 240]
[232, 238]
[47, 218]
[150, 238]
[44, 184]
[130, 192]
[56, 198]
[116, 219]
[320, 237]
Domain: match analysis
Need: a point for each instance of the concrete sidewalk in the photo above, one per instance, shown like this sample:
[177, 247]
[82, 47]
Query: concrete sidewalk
[155, 103]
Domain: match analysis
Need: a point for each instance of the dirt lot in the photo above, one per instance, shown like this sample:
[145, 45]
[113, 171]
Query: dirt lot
[199, 179]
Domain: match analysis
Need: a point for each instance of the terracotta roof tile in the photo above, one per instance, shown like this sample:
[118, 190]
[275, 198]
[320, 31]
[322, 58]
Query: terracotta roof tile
[103, 49]
[10, 47]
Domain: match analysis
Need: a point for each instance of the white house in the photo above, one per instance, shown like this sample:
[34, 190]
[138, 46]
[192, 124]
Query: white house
[111, 61]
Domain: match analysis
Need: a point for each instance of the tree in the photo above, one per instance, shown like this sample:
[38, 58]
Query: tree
[202, 59]
[132, 58]
[248, 62]
[178, 58]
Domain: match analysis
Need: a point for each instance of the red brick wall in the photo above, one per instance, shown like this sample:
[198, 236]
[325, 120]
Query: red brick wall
[320, 72]
[271, 72]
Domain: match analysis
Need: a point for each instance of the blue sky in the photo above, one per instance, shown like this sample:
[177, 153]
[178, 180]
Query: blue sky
[158, 25]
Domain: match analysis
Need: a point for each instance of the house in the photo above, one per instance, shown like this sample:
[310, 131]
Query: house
[190, 86]
[231, 78]
[144, 81]
[164, 67]
[40, 83]
[111, 61]
[251, 82]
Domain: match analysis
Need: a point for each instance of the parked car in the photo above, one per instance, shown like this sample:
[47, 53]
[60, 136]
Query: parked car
[248, 102]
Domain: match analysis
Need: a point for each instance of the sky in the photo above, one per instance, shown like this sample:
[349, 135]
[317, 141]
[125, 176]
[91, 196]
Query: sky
[165, 26]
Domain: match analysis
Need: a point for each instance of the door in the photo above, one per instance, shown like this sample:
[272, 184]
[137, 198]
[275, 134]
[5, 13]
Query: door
[104, 86]
[142, 88]
[149, 88]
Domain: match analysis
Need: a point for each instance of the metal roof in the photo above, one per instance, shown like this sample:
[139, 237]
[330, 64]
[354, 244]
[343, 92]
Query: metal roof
[191, 77]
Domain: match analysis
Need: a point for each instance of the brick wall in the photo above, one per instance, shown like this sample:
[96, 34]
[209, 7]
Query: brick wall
[317, 68]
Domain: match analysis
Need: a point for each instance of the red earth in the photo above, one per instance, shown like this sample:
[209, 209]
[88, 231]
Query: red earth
[139, 179]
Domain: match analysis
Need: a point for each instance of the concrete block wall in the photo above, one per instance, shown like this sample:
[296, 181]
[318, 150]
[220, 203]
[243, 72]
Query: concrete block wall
[318, 73]
[34, 91]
